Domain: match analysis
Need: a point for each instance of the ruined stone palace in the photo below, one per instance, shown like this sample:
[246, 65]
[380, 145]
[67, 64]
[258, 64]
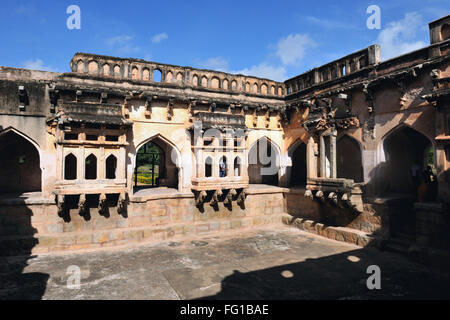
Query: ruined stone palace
[121, 151]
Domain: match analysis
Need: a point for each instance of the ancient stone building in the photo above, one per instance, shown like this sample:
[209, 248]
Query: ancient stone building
[121, 151]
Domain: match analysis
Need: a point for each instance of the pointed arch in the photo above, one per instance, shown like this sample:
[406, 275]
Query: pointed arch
[297, 173]
[90, 165]
[264, 162]
[20, 170]
[349, 158]
[70, 167]
[405, 153]
[168, 162]
[111, 167]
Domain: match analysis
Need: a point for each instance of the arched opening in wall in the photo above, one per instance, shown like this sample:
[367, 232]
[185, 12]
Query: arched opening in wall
[93, 67]
[195, 80]
[157, 75]
[215, 83]
[208, 167]
[225, 84]
[146, 74]
[169, 76]
[272, 90]
[20, 166]
[91, 167]
[80, 66]
[407, 154]
[255, 88]
[204, 81]
[297, 154]
[223, 166]
[155, 166]
[234, 85]
[263, 162]
[70, 167]
[349, 159]
[106, 70]
[117, 71]
[111, 167]
[237, 167]
[445, 32]
[247, 87]
[135, 73]
[264, 88]
[179, 77]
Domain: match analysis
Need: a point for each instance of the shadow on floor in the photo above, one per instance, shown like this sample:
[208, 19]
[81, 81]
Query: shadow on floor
[340, 276]
[16, 244]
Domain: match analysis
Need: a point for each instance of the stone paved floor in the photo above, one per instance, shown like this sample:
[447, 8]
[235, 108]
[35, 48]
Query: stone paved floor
[285, 263]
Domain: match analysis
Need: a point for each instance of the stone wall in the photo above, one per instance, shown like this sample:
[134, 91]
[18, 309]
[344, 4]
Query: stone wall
[35, 227]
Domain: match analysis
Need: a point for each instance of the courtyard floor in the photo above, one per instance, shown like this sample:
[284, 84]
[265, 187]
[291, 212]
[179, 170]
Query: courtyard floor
[268, 263]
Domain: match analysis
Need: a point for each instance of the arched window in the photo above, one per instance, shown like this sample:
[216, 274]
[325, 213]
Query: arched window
[169, 76]
[135, 73]
[247, 87]
[195, 80]
[70, 167]
[237, 167]
[225, 84]
[111, 167]
[215, 83]
[208, 167]
[264, 89]
[106, 70]
[349, 159]
[91, 168]
[80, 66]
[93, 67]
[146, 74]
[255, 88]
[234, 85]
[179, 77]
[157, 74]
[204, 81]
[223, 169]
[117, 71]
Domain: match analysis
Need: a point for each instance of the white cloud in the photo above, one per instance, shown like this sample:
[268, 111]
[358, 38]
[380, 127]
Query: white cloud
[215, 63]
[123, 43]
[398, 37]
[37, 64]
[264, 70]
[159, 37]
[292, 49]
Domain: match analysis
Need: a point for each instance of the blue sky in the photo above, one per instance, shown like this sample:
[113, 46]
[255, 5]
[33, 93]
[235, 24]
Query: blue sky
[277, 39]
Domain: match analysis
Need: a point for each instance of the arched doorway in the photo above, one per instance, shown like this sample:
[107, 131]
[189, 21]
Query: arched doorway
[154, 166]
[20, 166]
[407, 154]
[263, 159]
[298, 170]
[349, 159]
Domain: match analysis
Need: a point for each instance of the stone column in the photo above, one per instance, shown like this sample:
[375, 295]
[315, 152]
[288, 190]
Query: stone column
[333, 157]
[322, 156]
[81, 163]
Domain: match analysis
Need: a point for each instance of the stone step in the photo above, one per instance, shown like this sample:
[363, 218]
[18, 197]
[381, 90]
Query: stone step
[342, 234]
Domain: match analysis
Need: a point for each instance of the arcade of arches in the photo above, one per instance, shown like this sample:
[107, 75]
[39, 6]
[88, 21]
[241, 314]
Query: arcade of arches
[120, 150]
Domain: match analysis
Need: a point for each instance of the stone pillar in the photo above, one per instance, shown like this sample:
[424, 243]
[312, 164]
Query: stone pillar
[121, 163]
[333, 157]
[322, 156]
[101, 172]
[80, 163]
[311, 159]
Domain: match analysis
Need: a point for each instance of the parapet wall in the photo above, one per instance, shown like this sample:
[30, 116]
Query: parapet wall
[144, 71]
